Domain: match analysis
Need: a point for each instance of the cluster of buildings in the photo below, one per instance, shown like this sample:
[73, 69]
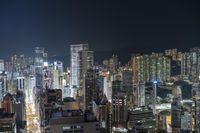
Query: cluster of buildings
[145, 95]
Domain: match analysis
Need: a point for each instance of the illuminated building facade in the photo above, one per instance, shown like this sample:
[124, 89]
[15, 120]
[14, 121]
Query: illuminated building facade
[1, 65]
[190, 64]
[117, 85]
[176, 115]
[3, 85]
[74, 60]
[148, 68]
[90, 92]
[20, 83]
[39, 62]
[85, 62]
[196, 99]
[119, 113]
[141, 94]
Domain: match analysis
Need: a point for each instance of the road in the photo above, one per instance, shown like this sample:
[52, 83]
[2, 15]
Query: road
[32, 117]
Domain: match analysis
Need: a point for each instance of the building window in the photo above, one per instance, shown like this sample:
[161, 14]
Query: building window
[67, 127]
[78, 131]
[78, 126]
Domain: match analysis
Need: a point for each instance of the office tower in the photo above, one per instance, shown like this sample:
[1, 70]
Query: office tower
[3, 85]
[1, 65]
[90, 92]
[176, 115]
[117, 85]
[85, 62]
[29, 87]
[58, 75]
[107, 88]
[141, 94]
[66, 84]
[55, 79]
[20, 83]
[74, 62]
[127, 80]
[19, 109]
[101, 111]
[113, 63]
[119, 113]
[14, 62]
[38, 63]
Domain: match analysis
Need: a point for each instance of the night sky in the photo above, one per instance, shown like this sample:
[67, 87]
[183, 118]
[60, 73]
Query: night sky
[107, 25]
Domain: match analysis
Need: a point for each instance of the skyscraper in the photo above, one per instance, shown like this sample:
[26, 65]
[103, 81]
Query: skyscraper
[85, 62]
[90, 92]
[1, 65]
[74, 60]
[141, 94]
[176, 115]
[39, 62]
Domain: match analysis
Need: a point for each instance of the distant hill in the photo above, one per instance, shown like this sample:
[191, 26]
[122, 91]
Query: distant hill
[99, 56]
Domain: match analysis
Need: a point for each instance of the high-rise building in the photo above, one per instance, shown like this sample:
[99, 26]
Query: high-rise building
[119, 113]
[190, 64]
[176, 115]
[39, 62]
[101, 111]
[141, 94]
[196, 99]
[148, 68]
[1, 65]
[85, 62]
[113, 63]
[3, 85]
[20, 83]
[90, 92]
[74, 60]
[127, 80]
[117, 85]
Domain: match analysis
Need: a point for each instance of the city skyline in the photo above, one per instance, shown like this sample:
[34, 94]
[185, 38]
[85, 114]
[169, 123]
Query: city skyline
[99, 67]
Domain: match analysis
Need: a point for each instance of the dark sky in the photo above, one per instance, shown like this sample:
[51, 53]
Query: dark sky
[107, 25]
